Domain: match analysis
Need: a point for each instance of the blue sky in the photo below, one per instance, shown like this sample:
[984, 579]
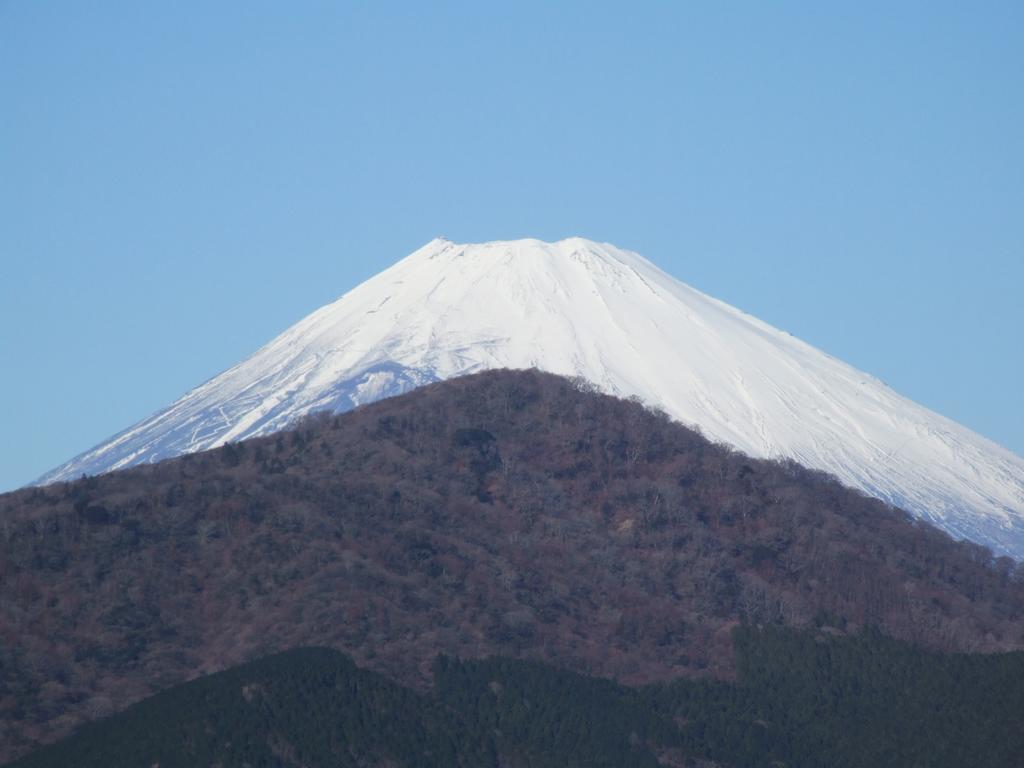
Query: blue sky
[181, 181]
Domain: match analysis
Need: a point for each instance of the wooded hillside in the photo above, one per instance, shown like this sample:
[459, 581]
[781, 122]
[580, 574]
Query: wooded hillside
[512, 513]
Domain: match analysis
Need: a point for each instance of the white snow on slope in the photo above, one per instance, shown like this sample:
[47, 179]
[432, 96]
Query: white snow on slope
[581, 308]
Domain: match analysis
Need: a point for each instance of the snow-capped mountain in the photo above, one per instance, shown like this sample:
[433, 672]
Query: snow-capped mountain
[581, 308]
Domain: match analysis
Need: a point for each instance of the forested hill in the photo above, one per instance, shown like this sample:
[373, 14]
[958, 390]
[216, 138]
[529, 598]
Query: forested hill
[803, 699]
[510, 513]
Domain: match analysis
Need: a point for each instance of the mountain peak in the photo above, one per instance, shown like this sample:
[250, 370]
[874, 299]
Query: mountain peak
[580, 308]
[564, 247]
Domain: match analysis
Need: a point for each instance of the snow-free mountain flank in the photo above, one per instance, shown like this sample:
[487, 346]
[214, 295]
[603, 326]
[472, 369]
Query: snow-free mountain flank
[588, 309]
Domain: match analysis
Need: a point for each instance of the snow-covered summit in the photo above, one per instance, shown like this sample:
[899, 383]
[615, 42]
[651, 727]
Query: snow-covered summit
[589, 309]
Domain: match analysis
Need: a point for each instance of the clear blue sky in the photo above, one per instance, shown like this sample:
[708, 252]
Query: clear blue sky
[179, 181]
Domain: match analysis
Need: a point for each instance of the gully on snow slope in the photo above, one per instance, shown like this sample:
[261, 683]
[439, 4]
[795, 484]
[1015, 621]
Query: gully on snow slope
[587, 309]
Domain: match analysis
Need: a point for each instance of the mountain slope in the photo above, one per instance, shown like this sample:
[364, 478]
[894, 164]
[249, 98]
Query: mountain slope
[501, 513]
[580, 308]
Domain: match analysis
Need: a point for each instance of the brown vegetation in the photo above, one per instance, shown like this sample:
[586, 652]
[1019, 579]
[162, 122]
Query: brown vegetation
[507, 512]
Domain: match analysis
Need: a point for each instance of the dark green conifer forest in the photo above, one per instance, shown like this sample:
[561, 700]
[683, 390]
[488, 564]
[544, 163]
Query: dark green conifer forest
[802, 698]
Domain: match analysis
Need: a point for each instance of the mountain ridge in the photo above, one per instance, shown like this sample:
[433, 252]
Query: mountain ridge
[510, 513]
[580, 308]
